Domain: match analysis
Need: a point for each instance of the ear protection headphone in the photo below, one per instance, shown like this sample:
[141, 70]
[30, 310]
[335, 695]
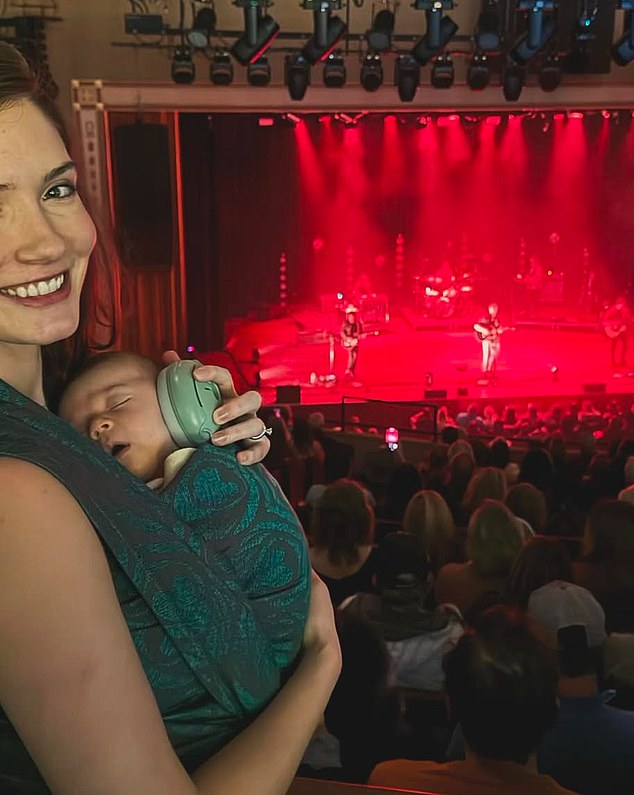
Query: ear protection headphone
[187, 405]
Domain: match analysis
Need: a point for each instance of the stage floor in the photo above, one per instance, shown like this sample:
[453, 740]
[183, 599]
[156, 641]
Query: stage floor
[401, 362]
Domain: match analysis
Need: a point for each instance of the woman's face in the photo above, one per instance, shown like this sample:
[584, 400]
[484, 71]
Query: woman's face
[46, 235]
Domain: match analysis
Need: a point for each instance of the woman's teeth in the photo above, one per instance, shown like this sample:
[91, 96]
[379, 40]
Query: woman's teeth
[33, 289]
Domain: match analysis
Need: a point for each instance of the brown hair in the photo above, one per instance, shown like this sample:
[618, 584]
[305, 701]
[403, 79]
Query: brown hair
[428, 516]
[494, 539]
[96, 330]
[342, 522]
[542, 560]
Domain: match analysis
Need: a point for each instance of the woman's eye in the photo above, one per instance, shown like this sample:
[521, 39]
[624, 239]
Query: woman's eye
[64, 190]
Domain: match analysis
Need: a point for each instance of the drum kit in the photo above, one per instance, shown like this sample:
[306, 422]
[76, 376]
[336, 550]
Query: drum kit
[438, 297]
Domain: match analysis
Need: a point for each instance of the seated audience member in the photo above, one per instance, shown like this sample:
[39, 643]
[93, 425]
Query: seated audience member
[499, 453]
[428, 516]
[404, 482]
[627, 494]
[589, 748]
[488, 483]
[528, 502]
[417, 637]
[466, 418]
[461, 468]
[494, 539]
[342, 540]
[502, 689]
[360, 720]
[376, 469]
[307, 460]
[607, 569]
[433, 472]
[540, 561]
[537, 468]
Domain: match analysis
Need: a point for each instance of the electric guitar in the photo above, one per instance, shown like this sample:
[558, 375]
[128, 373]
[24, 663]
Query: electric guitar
[352, 340]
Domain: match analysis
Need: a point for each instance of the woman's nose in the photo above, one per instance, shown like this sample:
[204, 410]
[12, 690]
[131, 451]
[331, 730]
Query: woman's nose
[40, 240]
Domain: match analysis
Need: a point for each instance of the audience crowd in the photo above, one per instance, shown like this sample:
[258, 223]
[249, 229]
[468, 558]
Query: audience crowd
[485, 600]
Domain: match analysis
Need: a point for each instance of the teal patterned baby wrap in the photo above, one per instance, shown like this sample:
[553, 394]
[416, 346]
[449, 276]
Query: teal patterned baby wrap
[216, 620]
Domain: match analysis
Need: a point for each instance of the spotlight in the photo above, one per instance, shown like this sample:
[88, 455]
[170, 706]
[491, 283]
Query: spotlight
[372, 72]
[296, 75]
[334, 71]
[203, 26]
[379, 37]
[550, 74]
[259, 72]
[440, 30]
[623, 50]
[540, 30]
[221, 69]
[512, 82]
[260, 30]
[487, 35]
[328, 30]
[183, 69]
[478, 73]
[442, 72]
[406, 77]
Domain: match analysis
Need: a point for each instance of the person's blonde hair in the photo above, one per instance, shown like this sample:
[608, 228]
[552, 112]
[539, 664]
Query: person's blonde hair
[487, 483]
[494, 539]
[428, 516]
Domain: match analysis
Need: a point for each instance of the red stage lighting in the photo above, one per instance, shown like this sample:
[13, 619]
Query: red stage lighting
[266, 121]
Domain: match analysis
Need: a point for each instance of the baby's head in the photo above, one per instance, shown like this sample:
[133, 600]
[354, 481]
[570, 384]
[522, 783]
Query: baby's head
[113, 401]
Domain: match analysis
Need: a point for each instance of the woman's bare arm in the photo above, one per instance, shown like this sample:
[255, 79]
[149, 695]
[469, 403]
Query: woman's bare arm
[71, 681]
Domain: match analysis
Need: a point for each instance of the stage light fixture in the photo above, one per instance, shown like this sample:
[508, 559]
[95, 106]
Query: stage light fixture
[379, 37]
[440, 29]
[623, 49]
[550, 74]
[203, 26]
[372, 72]
[183, 68]
[478, 72]
[442, 72]
[586, 20]
[512, 82]
[259, 72]
[221, 69]
[487, 35]
[406, 77]
[296, 76]
[260, 30]
[328, 29]
[540, 29]
[334, 75]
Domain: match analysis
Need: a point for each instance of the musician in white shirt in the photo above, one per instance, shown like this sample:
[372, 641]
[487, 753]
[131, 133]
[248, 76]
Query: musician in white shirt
[350, 335]
[488, 330]
[616, 320]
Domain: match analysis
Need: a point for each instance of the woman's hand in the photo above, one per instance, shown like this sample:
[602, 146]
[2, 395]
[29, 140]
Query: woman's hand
[237, 409]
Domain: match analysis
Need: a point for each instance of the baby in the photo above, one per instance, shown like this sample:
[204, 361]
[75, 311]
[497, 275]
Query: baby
[238, 514]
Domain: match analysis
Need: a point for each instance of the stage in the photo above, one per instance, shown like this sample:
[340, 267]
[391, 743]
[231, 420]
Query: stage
[415, 359]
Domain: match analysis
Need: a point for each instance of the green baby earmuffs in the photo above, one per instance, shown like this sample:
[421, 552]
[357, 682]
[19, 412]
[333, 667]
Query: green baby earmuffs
[187, 405]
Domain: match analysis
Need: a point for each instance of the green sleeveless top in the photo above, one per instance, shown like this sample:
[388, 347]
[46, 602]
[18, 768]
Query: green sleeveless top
[203, 644]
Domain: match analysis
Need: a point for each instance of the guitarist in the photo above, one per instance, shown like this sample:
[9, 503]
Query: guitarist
[350, 334]
[616, 320]
[488, 331]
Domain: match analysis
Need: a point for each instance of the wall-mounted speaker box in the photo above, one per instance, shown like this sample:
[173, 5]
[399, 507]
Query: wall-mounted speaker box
[143, 207]
[435, 394]
[288, 393]
[594, 389]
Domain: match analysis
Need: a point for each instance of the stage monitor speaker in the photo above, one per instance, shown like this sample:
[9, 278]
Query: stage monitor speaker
[435, 394]
[463, 391]
[289, 393]
[143, 207]
[594, 389]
